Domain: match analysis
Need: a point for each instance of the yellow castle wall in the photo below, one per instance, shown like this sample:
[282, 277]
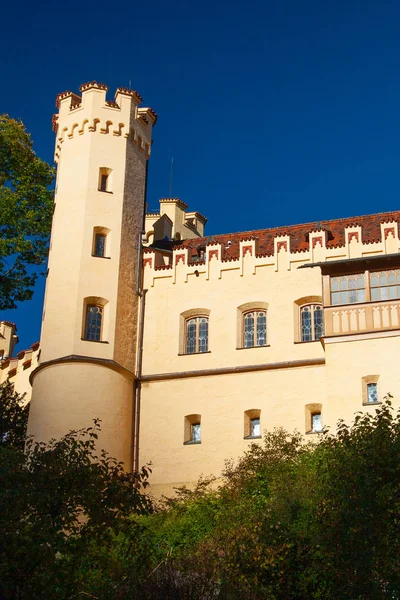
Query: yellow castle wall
[331, 373]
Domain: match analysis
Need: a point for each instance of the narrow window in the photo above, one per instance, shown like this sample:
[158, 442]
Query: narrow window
[104, 179]
[197, 335]
[255, 427]
[196, 433]
[100, 245]
[316, 422]
[252, 423]
[192, 429]
[311, 322]
[103, 183]
[254, 329]
[94, 315]
[313, 414]
[372, 393]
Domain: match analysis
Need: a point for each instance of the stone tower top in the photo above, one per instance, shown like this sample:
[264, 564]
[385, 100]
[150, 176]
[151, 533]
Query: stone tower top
[91, 111]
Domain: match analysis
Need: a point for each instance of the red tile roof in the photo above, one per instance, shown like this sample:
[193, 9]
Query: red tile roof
[299, 234]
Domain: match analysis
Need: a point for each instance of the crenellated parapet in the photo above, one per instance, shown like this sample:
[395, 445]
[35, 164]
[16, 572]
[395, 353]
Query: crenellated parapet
[285, 250]
[91, 113]
[19, 368]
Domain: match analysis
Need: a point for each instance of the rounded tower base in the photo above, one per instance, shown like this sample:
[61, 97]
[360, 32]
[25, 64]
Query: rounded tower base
[69, 395]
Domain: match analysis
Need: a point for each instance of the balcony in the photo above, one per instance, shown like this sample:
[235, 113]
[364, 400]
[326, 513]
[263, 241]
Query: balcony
[363, 317]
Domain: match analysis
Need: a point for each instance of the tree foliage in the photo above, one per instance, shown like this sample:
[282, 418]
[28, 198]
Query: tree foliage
[13, 417]
[287, 521]
[26, 206]
[58, 500]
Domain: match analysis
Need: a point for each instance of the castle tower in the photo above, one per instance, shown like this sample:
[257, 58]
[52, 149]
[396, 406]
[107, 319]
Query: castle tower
[88, 340]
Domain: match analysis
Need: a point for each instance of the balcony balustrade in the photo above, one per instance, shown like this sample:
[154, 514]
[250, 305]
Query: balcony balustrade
[363, 317]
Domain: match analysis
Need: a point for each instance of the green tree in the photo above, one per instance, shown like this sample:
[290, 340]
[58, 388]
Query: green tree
[58, 501]
[13, 417]
[26, 206]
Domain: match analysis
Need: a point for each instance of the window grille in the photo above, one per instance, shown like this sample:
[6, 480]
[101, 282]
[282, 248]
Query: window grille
[311, 322]
[372, 392]
[94, 315]
[348, 289]
[385, 285]
[100, 245]
[254, 329]
[197, 335]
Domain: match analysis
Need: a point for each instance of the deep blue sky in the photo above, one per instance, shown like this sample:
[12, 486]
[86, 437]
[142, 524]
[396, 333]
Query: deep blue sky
[275, 112]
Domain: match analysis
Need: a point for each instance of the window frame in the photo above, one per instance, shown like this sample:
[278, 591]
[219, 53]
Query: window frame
[97, 237]
[105, 175]
[105, 232]
[311, 410]
[198, 323]
[366, 381]
[189, 422]
[185, 317]
[251, 415]
[102, 303]
[256, 313]
[241, 312]
[87, 311]
[302, 307]
[367, 273]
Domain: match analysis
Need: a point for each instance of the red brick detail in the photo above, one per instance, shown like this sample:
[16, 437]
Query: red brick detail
[281, 245]
[353, 234]
[317, 240]
[213, 253]
[27, 364]
[390, 230]
[12, 372]
[247, 249]
[179, 257]
[147, 261]
[335, 231]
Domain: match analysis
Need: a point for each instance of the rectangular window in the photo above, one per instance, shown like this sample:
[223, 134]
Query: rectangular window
[100, 245]
[255, 428]
[385, 285]
[348, 289]
[372, 393]
[94, 316]
[316, 421]
[196, 433]
[103, 183]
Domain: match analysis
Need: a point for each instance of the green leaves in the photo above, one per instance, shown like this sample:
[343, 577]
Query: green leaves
[58, 500]
[26, 207]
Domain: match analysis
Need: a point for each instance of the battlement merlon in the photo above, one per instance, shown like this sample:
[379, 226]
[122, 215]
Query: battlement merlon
[91, 112]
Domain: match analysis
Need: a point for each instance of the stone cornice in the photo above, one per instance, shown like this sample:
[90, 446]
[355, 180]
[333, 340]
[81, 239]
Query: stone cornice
[290, 364]
[74, 358]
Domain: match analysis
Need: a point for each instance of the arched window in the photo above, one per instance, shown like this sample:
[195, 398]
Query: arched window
[93, 324]
[254, 328]
[311, 322]
[196, 335]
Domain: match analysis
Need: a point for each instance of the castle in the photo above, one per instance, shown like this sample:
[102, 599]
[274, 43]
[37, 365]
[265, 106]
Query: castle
[188, 347]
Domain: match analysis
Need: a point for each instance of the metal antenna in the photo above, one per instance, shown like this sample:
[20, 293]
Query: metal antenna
[170, 178]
